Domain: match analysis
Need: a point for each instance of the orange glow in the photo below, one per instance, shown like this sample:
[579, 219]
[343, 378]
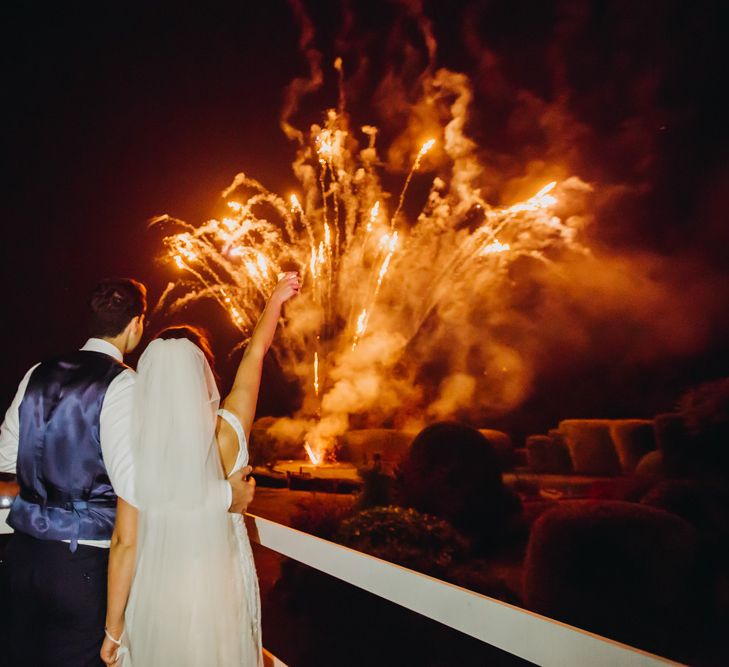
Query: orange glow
[316, 373]
[310, 452]
[262, 265]
[312, 263]
[361, 326]
[324, 145]
[361, 322]
[539, 201]
[426, 147]
[374, 212]
[495, 247]
[347, 240]
[251, 268]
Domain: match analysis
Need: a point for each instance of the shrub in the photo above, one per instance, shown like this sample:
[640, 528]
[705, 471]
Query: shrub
[322, 515]
[406, 537]
[503, 446]
[547, 454]
[451, 471]
[590, 445]
[338, 616]
[705, 414]
[651, 465]
[705, 409]
[618, 569]
[633, 439]
[703, 505]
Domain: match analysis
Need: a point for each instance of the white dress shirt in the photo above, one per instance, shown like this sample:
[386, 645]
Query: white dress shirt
[115, 430]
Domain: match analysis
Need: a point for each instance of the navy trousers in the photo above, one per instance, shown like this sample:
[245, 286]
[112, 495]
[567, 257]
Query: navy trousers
[57, 602]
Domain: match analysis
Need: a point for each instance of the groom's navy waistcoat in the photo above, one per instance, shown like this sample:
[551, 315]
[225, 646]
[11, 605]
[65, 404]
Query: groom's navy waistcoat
[65, 493]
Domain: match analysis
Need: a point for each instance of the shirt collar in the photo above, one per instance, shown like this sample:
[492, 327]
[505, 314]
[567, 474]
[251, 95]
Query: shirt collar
[99, 345]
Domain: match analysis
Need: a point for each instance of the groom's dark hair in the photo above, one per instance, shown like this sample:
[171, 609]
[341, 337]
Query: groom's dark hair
[113, 303]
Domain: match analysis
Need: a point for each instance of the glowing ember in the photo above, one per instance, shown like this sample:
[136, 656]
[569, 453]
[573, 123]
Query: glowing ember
[360, 322]
[539, 201]
[495, 247]
[423, 151]
[361, 326]
[316, 373]
[374, 212]
[312, 456]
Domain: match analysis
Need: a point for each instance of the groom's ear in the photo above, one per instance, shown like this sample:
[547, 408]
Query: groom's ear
[134, 332]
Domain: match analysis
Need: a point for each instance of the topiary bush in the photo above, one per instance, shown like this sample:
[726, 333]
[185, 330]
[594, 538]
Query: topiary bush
[503, 446]
[633, 439]
[622, 570]
[590, 446]
[406, 537]
[547, 454]
[704, 505]
[651, 465]
[451, 471]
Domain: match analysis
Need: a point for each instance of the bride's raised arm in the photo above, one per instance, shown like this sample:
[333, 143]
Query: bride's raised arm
[243, 396]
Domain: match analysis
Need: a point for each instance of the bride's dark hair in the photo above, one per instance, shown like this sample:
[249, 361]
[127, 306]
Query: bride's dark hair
[196, 335]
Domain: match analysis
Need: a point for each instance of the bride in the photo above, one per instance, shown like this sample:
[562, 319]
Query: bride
[182, 583]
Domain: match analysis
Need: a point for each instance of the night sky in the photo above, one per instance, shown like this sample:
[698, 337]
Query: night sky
[116, 112]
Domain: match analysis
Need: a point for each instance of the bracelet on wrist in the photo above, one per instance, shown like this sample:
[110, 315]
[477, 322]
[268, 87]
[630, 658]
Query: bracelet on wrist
[111, 639]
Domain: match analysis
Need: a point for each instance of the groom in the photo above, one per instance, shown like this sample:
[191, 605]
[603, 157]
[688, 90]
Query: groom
[67, 434]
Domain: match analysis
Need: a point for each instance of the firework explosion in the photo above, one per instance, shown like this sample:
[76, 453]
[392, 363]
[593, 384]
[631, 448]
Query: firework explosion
[371, 277]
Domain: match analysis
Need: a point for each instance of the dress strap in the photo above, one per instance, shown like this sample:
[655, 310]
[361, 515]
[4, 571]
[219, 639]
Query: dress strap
[235, 423]
[232, 419]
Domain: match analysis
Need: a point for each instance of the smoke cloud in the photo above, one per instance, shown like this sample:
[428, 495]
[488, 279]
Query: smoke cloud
[524, 277]
[482, 351]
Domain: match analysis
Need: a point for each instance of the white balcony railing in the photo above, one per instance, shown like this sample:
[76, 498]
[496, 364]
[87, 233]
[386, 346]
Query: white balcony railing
[522, 633]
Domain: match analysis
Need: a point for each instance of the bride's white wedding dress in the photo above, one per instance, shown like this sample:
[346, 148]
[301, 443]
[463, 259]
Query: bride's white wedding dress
[250, 637]
[194, 600]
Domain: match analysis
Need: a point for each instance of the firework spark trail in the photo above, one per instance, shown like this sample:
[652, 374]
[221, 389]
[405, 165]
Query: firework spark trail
[418, 159]
[354, 263]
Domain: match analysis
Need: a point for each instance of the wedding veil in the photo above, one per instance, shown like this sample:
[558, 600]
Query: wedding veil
[185, 599]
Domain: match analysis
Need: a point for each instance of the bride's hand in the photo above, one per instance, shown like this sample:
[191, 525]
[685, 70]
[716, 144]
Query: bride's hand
[287, 287]
[109, 652]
